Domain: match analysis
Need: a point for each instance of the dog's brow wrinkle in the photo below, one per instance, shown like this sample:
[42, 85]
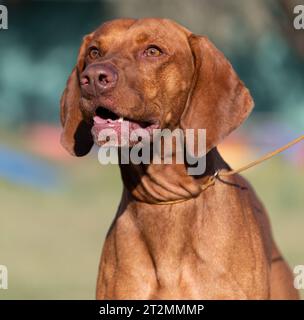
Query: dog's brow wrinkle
[142, 38]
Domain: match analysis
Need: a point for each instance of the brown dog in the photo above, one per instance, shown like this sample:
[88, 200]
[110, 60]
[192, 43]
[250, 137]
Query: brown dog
[216, 245]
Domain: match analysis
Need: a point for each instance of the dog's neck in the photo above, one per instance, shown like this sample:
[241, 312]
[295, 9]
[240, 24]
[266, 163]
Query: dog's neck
[153, 183]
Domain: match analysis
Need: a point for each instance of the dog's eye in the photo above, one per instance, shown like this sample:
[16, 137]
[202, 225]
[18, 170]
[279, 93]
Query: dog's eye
[153, 51]
[93, 53]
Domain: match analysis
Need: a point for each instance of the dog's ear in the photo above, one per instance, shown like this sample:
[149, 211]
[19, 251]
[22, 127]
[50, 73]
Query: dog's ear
[218, 102]
[76, 137]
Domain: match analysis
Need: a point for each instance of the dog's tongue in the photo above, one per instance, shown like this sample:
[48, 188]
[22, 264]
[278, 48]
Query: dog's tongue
[118, 126]
[120, 135]
[99, 120]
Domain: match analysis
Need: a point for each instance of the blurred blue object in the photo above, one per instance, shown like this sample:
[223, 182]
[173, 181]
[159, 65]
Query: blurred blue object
[24, 169]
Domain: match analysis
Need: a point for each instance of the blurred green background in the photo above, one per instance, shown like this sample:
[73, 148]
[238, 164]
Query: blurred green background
[54, 209]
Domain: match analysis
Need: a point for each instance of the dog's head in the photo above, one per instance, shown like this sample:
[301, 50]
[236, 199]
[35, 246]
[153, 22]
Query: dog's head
[150, 73]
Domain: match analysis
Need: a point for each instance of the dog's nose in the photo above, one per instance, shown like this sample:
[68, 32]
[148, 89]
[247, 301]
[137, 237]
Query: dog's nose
[98, 78]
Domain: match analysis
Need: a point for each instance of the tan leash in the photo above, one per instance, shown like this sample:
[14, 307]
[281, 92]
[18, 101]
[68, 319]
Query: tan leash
[219, 173]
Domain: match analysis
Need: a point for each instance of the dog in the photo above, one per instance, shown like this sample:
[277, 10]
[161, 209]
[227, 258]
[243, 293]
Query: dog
[214, 244]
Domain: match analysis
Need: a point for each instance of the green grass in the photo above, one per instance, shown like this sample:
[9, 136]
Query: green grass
[280, 186]
[51, 242]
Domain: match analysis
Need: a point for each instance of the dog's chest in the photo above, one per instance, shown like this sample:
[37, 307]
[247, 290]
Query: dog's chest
[182, 253]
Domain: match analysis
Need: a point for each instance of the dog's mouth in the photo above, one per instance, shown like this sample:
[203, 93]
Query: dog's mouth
[111, 127]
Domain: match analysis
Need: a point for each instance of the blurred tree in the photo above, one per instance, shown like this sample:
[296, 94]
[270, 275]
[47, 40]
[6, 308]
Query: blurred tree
[38, 52]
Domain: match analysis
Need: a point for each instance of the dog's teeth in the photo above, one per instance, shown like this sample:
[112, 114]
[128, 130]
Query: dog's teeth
[120, 119]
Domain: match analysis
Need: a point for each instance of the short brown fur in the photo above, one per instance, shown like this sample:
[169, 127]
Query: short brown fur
[216, 245]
